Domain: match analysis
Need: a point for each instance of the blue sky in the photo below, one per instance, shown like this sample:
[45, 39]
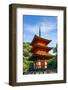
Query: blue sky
[47, 24]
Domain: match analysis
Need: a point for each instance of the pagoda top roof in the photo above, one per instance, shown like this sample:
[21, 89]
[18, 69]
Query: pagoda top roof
[36, 38]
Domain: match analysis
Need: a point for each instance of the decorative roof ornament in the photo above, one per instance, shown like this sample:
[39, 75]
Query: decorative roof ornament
[39, 32]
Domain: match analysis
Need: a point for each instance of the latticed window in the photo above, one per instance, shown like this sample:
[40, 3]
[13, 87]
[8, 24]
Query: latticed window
[38, 64]
[45, 64]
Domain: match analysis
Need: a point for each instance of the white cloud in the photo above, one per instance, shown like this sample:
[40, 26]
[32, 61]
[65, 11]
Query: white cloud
[31, 28]
[44, 26]
[47, 27]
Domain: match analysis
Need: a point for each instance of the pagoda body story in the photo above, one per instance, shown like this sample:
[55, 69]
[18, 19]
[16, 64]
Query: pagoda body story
[40, 52]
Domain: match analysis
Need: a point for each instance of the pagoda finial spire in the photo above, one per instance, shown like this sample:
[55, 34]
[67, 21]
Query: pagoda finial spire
[39, 32]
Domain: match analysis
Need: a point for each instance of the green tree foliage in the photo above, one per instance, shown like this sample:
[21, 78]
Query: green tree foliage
[55, 49]
[27, 63]
[52, 64]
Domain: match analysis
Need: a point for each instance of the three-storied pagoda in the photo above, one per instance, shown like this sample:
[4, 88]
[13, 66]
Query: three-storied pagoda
[40, 52]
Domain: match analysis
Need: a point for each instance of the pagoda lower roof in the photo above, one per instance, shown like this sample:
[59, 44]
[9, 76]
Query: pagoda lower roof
[39, 47]
[37, 38]
[42, 57]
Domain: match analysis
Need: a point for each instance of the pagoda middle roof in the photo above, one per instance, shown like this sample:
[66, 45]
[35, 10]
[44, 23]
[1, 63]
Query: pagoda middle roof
[44, 48]
[37, 38]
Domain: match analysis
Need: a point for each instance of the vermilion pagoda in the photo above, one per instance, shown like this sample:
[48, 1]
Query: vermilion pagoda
[40, 52]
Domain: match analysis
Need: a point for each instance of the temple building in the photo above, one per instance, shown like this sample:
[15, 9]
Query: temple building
[40, 52]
